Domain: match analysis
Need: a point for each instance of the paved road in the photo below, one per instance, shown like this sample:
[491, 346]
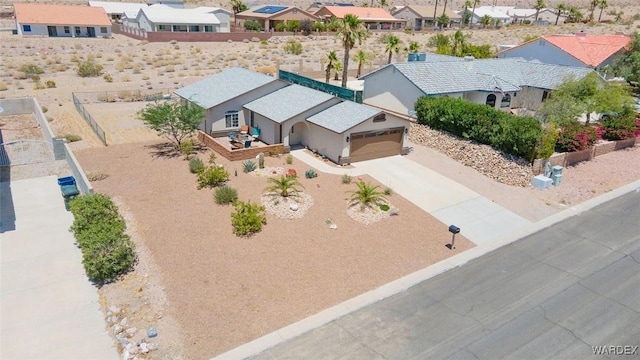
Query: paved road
[552, 295]
[48, 308]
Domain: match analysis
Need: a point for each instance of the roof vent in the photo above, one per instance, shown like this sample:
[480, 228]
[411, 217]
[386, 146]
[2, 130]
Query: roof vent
[581, 33]
[469, 58]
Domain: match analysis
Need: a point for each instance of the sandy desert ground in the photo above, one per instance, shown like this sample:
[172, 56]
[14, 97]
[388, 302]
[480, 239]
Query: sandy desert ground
[207, 290]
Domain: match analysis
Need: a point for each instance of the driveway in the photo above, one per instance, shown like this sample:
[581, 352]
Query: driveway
[49, 310]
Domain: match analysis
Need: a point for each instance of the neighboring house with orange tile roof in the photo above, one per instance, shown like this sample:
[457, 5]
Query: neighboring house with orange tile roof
[373, 18]
[580, 49]
[420, 17]
[268, 16]
[61, 20]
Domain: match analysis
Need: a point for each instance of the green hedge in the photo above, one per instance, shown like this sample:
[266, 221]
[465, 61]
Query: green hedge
[99, 229]
[516, 135]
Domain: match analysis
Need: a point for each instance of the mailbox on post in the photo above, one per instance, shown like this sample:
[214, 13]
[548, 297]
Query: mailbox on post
[454, 230]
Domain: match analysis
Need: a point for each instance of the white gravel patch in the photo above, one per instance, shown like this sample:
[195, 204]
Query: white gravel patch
[369, 214]
[268, 171]
[281, 206]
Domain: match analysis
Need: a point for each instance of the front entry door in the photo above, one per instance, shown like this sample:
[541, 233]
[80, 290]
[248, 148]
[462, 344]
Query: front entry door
[53, 31]
[91, 31]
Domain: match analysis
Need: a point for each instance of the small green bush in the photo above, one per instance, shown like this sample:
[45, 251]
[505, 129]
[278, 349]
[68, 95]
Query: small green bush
[384, 207]
[618, 128]
[388, 191]
[89, 68]
[44, 109]
[261, 160]
[196, 165]
[225, 195]
[50, 84]
[248, 218]
[310, 174]
[212, 176]
[252, 25]
[547, 142]
[293, 46]
[346, 179]
[186, 147]
[31, 70]
[289, 159]
[108, 78]
[99, 229]
[248, 166]
[72, 137]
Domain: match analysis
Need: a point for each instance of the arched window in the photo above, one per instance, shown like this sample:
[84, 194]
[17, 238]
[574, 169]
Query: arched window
[506, 101]
[491, 100]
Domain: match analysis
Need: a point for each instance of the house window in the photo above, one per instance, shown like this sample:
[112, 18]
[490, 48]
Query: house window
[208, 28]
[26, 28]
[506, 101]
[194, 28]
[77, 30]
[67, 30]
[294, 11]
[380, 118]
[491, 100]
[292, 128]
[163, 28]
[545, 95]
[231, 119]
[103, 29]
[179, 28]
[252, 120]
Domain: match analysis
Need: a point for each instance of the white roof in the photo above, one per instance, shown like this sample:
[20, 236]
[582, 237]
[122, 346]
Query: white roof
[118, 7]
[523, 12]
[491, 11]
[162, 14]
[210, 9]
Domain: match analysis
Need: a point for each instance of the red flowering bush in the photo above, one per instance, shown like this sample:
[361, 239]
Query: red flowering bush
[574, 136]
[619, 128]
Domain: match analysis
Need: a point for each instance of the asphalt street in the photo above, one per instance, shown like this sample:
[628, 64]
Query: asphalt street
[555, 294]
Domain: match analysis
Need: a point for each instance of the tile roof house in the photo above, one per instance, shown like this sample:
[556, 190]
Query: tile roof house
[268, 16]
[501, 83]
[294, 115]
[166, 18]
[373, 18]
[61, 20]
[580, 49]
[420, 17]
[546, 15]
[317, 5]
[115, 10]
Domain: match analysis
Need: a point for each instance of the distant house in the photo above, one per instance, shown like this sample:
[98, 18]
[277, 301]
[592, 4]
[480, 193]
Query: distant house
[580, 49]
[421, 17]
[495, 13]
[61, 20]
[343, 131]
[165, 18]
[317, 5]
[116, 10]
[373, 18]
[545, 16]
[268, 16]
[504, 84]
[178, 4]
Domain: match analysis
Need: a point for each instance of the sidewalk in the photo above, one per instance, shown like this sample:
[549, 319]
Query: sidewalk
[49, 310]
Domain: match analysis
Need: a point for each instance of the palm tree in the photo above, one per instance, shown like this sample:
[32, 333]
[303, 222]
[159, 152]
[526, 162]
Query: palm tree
[383, 3]
[485, 21]
[458, 44]
[561, 9]
[333, 58]
[539, 6]
[467, 5]
[283, 186]
[413, 46]
[237, 6]
[366, 194]
[393, 45]
[444, 9]
[602, 5]
[350, 30]
[337, 66]
[592, 7]
[435, 11]
[362, 57]
[473, 11]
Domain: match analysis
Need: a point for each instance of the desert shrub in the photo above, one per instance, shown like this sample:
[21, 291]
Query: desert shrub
[618, 128]
[292, 25]
[99, 229]
[306, 26]
[248, 218]
[107, 78]
[38, 86]
[212, 158]
[293, 46]
[225, 195]
[384, 207]
[196, 165]
[186, 147]
[248, 166]
[261, 160]
[319, 26]
[574, 136]
[31, 70]
[44, 109]
[50, 84]
[289, 159]
[512, 134]
[366, 194]
[212, 176]
[280, 27]
[72, 137]
[97, 175]
[346, 179]
[19, 75]
[388, 191]
[252, 25]
[3, 86]
[310, 174]
[547, 143]
[89, 69]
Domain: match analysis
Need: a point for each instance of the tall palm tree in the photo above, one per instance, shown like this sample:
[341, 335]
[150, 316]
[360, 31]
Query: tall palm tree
[366, 194]
[539, 6]
[602, 5]
[592, 7]
[350, 30]
[486, 21]
[467, 5]
[444, 9]
[560, 10]
[459, 42]
[237, 6]
[283, 186]
[383, 3]
[332, 58]
[435, 13]
[337, 67]
[393, 45]
[362, 57]
[473, 11]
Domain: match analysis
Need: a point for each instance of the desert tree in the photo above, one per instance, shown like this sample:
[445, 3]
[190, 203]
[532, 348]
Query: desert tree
[332, 58]
[602, 5]
[337, 67]
[393, 44]
[237, 6]
[362, 57]
[473, 11]
[435, 14]
[539, 6]
[176, 120]
[560, 10]
[366, 195]
[351, 30]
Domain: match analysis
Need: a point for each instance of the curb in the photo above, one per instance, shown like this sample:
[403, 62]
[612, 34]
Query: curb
[296, 329]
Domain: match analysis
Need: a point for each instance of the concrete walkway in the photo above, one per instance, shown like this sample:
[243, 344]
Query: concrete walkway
[479, 219]
[49, 310]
